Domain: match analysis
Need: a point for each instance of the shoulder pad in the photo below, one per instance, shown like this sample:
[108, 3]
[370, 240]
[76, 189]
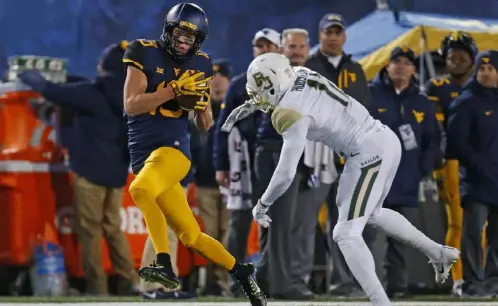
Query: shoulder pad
[146, 43]
[438, 82]
[203, 63]
[203, 54]
[283, 118]
[136, 53]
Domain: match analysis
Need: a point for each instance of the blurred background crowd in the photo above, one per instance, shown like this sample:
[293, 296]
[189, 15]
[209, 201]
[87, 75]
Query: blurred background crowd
[70, 226]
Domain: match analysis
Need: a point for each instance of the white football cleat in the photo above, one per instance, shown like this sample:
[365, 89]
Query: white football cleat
[442, 266]
[457, 289]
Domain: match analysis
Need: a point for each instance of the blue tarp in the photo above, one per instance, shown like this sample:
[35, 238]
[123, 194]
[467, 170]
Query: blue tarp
[379, 28]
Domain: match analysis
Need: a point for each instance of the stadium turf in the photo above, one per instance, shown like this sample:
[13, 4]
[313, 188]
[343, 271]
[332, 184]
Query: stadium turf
[321, 301]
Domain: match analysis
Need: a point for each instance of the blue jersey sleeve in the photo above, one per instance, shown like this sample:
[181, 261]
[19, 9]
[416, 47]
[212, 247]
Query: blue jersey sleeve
[136, 54]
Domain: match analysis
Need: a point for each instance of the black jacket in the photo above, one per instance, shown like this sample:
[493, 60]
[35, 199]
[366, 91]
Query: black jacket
[201, 148]
[98, 143]
[472, 136]
[413, 108]
[349, 76]
[248, 127]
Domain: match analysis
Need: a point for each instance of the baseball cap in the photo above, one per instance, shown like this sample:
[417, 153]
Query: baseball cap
[269, 34]
[331, 20]
[223, 67]
[488, 57]
[111, 58]
[403, 51]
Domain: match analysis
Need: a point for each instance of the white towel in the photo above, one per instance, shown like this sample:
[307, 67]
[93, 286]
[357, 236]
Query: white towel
[240, 191]
[320, 158]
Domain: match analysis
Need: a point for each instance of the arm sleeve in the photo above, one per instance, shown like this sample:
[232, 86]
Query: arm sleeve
[431, 141]
[220, 150]
[294, 141]
[458, 132]
[82, 96]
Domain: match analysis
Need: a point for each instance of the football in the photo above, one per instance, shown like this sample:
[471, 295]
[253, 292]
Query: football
[188, 102]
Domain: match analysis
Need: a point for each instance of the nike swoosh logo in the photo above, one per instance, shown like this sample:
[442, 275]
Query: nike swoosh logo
[441, 269]
[151, 295]
[353, 155]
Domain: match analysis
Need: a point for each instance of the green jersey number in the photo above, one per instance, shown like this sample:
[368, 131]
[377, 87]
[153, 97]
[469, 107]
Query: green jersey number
[262, 80]
[321, 84]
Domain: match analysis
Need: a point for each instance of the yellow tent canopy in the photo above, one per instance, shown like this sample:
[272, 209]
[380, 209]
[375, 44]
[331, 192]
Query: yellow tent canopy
[371, 39]
[375, 61]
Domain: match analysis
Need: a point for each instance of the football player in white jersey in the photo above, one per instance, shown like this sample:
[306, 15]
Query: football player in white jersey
[305, 105]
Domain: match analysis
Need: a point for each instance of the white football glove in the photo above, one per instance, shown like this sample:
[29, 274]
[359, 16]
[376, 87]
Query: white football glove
[238, 114]
[259, 213]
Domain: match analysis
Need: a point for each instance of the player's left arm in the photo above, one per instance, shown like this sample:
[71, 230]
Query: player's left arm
[294, 138]
[203, 115]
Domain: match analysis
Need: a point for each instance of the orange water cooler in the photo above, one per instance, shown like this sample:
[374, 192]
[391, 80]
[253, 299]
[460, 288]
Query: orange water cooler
[36, 188]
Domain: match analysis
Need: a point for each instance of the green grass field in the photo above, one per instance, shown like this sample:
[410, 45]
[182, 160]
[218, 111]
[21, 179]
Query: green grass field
[323, 300]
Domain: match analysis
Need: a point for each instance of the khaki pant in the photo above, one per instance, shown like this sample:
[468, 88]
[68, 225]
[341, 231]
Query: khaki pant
[98, 214]
[214, 215]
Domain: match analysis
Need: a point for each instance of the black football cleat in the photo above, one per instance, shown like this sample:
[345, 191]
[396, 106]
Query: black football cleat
[159, 274]
[244, 275]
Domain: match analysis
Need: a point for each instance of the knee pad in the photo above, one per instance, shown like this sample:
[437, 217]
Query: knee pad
[373, 221]
[189, 238]
[382, 219]
[141, 195]
[350, 230]
[148, 181]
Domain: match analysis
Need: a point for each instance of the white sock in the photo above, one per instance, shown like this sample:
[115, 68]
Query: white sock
[361, 263]
[398, 227]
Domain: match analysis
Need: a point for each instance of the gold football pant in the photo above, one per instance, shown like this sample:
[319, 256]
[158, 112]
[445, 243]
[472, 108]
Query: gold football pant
[454, 212]
[156, 190]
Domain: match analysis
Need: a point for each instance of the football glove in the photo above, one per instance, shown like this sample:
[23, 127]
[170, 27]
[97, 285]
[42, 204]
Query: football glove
[189, 85]
[202, 104]
[238, 114]
[259, 213]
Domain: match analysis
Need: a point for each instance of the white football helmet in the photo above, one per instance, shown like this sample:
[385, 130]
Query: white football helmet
[269, 77]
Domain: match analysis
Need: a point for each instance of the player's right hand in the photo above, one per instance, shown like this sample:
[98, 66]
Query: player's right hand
[239, 113]
[259, 213]
[190, 85]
